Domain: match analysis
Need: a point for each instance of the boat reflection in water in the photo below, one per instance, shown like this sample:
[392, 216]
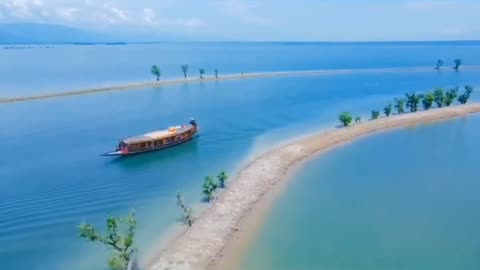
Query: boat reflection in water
[155, 140]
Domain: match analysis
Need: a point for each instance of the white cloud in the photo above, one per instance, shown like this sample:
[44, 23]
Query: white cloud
[21, 9]
[67, 13]
[118, 14]
[114, 15]
[150, 18]
[245, 19]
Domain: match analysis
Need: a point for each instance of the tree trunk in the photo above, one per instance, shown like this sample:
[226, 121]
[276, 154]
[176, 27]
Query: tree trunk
[132, 265]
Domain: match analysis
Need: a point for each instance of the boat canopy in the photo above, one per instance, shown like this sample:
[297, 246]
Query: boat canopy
[155, 135]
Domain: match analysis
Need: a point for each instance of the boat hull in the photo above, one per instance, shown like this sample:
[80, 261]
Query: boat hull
[123, 153]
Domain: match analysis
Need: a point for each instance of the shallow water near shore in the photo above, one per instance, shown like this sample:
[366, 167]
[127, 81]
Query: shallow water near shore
[52, 177]
[402, 199]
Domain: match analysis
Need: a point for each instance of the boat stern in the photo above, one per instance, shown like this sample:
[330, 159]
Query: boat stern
[113, 153]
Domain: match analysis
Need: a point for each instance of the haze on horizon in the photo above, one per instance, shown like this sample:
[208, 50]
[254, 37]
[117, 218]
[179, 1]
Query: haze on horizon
[249, 20]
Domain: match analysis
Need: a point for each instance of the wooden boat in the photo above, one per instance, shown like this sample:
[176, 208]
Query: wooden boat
[155, 140]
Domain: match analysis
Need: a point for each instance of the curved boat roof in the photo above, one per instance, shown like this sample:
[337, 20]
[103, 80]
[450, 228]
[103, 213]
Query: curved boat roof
[156, 135]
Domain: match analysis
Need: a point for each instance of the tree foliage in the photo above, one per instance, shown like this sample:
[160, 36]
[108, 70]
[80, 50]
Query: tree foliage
[222, 179]
[458, 63]
[412, 101]
[375, 114]
[450, 96]
[184, 70]
[156, 71]
[427, 100]
[400, 105]
[209, 188]
[439, 64]
[345, 118]
[187, 217]
[119, 235]
[439, 94]
[387, 110]
[463, 98]
[201, 71]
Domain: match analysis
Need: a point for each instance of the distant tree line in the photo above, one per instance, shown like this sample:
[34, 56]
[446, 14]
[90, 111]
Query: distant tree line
[412, 102]
[456, 64]
[156, 71]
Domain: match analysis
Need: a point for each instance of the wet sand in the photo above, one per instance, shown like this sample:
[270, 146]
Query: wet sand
[226, 227]
[143, 85]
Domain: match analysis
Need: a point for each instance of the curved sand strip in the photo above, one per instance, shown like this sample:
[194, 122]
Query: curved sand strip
[198, 246]
[223, 78]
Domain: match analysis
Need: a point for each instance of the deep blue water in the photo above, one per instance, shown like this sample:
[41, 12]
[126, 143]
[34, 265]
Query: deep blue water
[404, 199]
[51, 174]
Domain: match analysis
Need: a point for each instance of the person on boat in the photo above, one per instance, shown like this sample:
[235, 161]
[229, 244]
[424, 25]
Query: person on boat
[193, 122]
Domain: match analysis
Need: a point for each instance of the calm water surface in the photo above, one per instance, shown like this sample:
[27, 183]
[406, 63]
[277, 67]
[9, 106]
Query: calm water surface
[51, 174]
[399, 200]
[66, 67]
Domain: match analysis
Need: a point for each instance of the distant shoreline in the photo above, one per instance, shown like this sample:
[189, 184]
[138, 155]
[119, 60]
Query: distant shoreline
[226, 227]
[121, 42]
[141, 85]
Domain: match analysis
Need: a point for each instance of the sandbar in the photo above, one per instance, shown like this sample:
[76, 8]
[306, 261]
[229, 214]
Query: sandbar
[190, 80]
[204, 244]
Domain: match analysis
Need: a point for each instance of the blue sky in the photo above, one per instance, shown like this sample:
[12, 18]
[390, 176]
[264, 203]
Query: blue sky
[260, 20]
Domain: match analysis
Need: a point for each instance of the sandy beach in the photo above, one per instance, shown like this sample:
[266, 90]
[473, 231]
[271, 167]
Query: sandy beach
[239, 209]
[140, 85]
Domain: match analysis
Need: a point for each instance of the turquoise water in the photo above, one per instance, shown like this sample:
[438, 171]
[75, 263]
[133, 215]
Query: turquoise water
[51, 174]
[404, 199]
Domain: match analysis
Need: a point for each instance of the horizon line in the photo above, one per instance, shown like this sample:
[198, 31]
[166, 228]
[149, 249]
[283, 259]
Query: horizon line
[119, 42]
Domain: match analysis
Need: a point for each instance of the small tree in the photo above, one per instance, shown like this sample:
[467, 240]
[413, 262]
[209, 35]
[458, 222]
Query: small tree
[439, 64]
[119, 236]
[209, 188]
[346, 118]
[184, 70]
[216, 73]
[439, 94]
[387, 110]
[412, 101]
[201, 71]
[450, 96]
[427, 100]
[375, 114]
[187, 218]
[222, 179]
[400, 105]
[458, 63]
[358, 119]
[468, 89]
[156, 72]
[463, 98]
